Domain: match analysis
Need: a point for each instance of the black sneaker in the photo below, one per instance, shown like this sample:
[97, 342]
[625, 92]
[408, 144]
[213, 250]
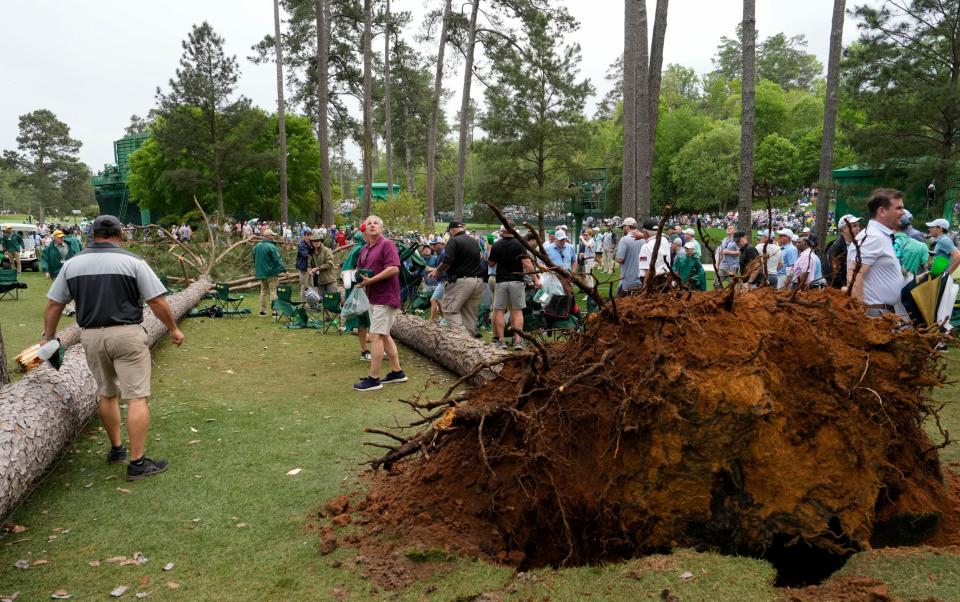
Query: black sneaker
[263, 314]
[394, 377]
[117, 455]
[368, 383]
[148, 468]
[365, 356]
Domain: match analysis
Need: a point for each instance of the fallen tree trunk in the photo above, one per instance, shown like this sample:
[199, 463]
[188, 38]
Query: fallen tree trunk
[42, 412]
[452, 348]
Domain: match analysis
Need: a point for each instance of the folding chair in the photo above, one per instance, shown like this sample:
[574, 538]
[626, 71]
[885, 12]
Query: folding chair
[285, 310]
[227, 301]
[9, 285]
[330, 308]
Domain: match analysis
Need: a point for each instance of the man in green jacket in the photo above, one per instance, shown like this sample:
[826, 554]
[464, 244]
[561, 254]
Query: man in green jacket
[268, 266]
[688, 267]
[52, 259]
[12, 245]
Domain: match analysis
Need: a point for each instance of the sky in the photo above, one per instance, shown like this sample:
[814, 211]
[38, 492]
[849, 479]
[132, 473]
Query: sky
[95, 63]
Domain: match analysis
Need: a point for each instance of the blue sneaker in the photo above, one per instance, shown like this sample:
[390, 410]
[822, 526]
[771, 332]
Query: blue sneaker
[368, 383]
[394, 377]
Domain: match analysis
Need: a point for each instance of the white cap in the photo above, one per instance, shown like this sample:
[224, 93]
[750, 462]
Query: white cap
[848, 219]
[794, 238]
[562, 227]
[939, 223]
[690, 245]
[806, 231]
[689, 231]
[628, 221]
[785, 232]
[561, 235]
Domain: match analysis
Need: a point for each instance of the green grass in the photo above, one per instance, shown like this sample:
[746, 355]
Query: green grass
[22, 321]
[16, 218]
[441, 227]
[245, 401]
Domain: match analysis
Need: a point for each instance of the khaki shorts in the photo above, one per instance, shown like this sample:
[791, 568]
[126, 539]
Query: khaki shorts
[119, 358]
[510, 295]
[382, 318]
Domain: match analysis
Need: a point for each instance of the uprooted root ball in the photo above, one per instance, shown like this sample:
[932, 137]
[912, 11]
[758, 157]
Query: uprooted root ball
[688, 422]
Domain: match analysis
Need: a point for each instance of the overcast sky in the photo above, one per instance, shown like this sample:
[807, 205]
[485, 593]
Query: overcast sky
[95, 63]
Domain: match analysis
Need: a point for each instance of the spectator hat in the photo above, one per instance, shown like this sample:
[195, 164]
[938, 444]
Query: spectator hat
[939, 223]
[106, 222]
[850, 219]
[651, 225]
[806, 230]
[9, 227]
[436, 241]
[317, 234]
[786, 232]
[561, 235]
[453, 225]
[58, 234]
[268, 232]
[628, 221]
[690, 245]
[794, 238]
[690, 231]
[906, 218]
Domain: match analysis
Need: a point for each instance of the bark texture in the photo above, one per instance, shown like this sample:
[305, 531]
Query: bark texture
[453, 349]
[367, 108]
[628, 201]
[323, 129]
[281, 115]
[829, 122]
[748, 120]
[435, 115]
[465, 117]
[387, 127]
[42, 412]
[644, 152]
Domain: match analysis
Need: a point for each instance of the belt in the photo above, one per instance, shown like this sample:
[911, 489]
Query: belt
[881, 306]
[110, 326]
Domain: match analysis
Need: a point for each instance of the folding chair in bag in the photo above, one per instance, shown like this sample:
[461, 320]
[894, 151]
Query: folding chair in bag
[9, 284]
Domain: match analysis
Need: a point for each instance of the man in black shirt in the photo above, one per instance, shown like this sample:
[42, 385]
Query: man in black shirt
[835, 264]
[462, 268]
[512, 263]
[750, 269]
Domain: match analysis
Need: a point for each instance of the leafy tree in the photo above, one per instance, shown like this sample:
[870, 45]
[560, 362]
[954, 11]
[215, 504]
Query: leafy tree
[203, 122]
[403, 212]
[706, 170]
[534, 118]
[46, 158]
[674, 130]
[780, 59]
[776, 162]
[772, 109]
[803, 115]
[903, 74]
[680, 86]
[138, 124]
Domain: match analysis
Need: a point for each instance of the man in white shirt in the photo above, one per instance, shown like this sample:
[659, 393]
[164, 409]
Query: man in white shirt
[879, 280]
[646, 251]
[609, 250]
[770, 250]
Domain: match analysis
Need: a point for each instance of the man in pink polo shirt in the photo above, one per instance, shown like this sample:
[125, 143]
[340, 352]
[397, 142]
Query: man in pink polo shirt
[380, 258]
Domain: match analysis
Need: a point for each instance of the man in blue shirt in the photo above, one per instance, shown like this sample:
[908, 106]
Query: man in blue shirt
[790, 255]
[561, 253]
[628, 256]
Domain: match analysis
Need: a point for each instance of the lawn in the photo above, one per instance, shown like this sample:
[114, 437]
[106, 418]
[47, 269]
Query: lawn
[243, 403]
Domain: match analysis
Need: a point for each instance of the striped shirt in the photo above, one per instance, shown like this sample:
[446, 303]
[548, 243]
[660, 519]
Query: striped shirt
[108, 284]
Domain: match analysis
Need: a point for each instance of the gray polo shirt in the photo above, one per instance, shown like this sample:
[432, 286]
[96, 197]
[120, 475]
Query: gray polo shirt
[628, 249]
[108, 284]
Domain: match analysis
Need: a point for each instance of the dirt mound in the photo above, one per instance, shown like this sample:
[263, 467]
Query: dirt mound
[789, 429]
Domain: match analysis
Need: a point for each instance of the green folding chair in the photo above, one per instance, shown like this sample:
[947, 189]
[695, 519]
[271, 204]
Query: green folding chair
[9, 284]
[224, 299]
[284, 310]
[331, 312]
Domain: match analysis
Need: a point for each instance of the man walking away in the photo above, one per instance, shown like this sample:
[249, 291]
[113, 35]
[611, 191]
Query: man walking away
[108, 284]
[912, 253]
[304, 250]
[464, 287]
[268, 265]
[835, 270]
[512, 262]
[609, 250]
[628, 256]
[381, 259]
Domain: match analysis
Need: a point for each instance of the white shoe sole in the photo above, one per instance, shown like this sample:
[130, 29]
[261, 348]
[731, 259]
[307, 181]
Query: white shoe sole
[377, 388]
[398, 380]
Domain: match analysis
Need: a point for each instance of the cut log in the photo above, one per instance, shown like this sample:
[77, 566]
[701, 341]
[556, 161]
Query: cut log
[42, 412]
[452, 348]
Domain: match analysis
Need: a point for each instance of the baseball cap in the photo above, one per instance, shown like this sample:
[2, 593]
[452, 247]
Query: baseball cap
[453, 225]
[906, 218]
[651, 224]
[268, 232]
[785, 232]
[806, 230]
[317, 234]
[57, 233]
[9, 227]
[689, 231]
[794, 237]
[939, 223]
[690, 245]
[628, 221]
[561, 235]
[764, 233]
[851, 219]
[436, 241]
[105, 222]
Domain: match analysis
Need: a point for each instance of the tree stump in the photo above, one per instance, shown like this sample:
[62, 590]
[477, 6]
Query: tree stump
[452, 348]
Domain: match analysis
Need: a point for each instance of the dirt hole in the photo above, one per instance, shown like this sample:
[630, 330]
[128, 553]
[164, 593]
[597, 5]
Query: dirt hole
[802, 565]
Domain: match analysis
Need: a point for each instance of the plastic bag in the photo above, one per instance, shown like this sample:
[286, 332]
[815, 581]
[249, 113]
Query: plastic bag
[550, 285]
[356, 305]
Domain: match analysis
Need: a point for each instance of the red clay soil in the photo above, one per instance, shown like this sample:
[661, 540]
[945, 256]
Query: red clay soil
[762, 424]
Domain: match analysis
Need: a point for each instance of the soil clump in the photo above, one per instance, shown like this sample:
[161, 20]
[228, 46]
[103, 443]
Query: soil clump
[762, 424]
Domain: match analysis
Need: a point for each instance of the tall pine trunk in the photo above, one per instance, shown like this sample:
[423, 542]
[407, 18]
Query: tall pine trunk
[323, 130]
[367, 108]
[829, 123]
[408, 163]
[387, 133]
[435, 115]
[465, 117]
[281, 114]
[655, 75]
[747, 121]
[644, 152]
[628, 200]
